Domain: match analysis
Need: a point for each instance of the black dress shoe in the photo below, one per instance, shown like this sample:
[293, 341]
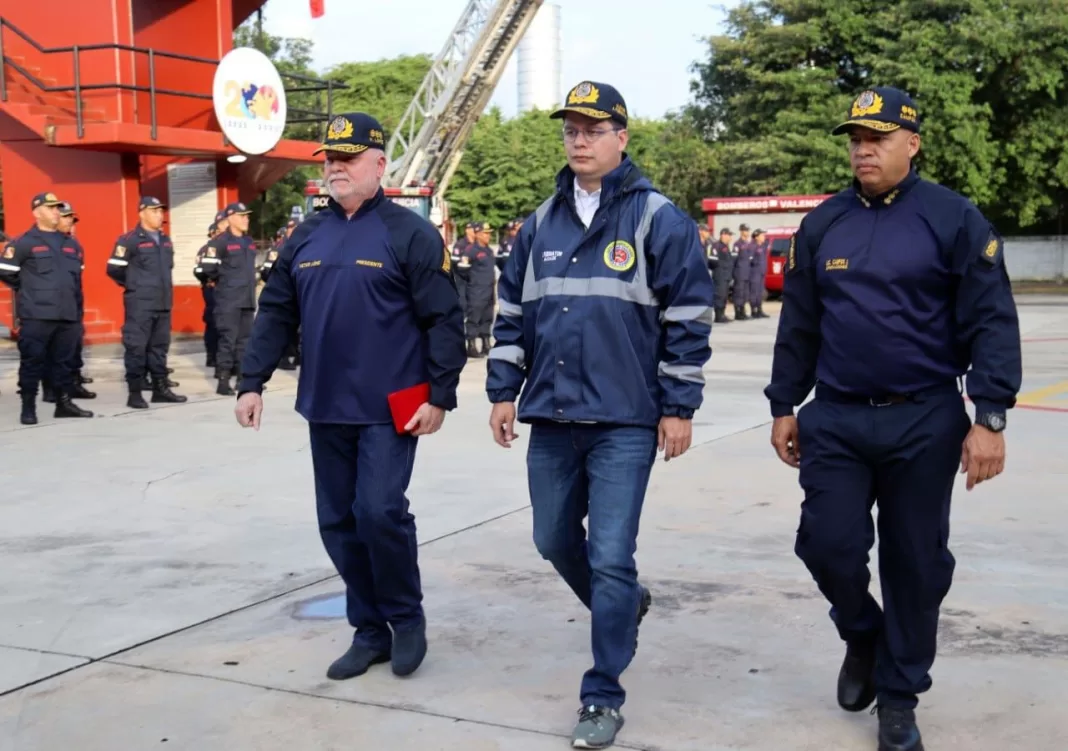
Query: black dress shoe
[409, 649]
[356, 661]
[897, 730]
[856, 679]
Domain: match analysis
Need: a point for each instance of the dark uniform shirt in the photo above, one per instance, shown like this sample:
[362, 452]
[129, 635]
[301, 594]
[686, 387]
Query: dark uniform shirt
[45, 269]
[144, 266]
[230, 262]
[895, 294]
[377, 308]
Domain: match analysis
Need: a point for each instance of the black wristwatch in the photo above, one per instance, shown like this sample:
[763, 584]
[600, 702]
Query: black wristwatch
[994, 421]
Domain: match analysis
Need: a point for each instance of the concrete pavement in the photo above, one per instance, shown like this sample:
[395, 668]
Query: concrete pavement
[164, 586]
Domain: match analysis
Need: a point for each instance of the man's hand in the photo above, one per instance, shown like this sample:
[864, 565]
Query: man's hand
[784, 439]
[249, 409]
[502, 423]
[426, 420]
[675, 434]
[983, 455]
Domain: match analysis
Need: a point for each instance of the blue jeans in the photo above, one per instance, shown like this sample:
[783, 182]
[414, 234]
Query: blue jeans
[602, 471]
[361, 476]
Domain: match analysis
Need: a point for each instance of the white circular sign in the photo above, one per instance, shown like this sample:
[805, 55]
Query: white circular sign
[249, 100]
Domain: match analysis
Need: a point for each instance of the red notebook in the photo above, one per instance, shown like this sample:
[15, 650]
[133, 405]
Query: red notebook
[403, 404]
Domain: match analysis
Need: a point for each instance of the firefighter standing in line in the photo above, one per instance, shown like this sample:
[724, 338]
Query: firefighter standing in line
[757, 271]
[743, 259]
[504, 247]
[142, 263]
[480, 283]
[722, 272]
[67, 219]
[44, 268]
[230, 260]
[207, 291]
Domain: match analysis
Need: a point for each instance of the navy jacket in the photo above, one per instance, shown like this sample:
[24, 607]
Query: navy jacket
[230, 262]
[610, 324]
[377, 309]
[144, 269]
[895, 294]
[45, 269]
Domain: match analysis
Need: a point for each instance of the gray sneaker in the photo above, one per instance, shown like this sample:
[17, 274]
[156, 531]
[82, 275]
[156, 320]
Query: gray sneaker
[597, 727]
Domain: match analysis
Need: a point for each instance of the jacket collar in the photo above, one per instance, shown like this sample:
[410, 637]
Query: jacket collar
[369, 205]
[888, 197]
[623, 179]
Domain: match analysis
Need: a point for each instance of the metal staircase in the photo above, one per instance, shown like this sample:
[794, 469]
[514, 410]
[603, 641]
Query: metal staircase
[428, 143]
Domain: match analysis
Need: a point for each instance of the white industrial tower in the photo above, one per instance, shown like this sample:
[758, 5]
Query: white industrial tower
[538, 63]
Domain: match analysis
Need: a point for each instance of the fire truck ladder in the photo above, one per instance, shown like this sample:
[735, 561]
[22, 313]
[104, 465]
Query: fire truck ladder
[428, 143]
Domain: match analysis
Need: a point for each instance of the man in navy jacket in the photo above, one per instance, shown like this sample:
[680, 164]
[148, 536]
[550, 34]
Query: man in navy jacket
[605, 312]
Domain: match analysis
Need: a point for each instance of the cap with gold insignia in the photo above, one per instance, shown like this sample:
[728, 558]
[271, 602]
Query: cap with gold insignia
[65, 209]
[882, 108]
[235, 208]
[44, 199]
[353, 133]
[597, 100]
[150, 202]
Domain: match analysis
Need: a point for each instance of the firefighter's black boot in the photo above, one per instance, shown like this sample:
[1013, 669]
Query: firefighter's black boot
[135, 400]
[161, 392]
[66, 408]
[224, 388]
[485, 345]
[721, 316]
[29, 409]
[78, 391]
[48, 394]
[739, 313]
[472, 349]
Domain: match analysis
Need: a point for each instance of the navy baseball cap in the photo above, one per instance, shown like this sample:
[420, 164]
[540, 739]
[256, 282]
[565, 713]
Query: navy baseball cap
[353, 133]
[219, 216]
[44, 199]
[597, 100]
[65, 209]
[884, 109]
[149, 202]
[235, 208]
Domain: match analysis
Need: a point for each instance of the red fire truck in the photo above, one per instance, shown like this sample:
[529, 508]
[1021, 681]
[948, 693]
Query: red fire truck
[778, 216]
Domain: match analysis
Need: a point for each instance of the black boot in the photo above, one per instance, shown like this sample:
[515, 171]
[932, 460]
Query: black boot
[739, 313]
[485, 345]
[897, 730]
[356, 661]
[78, 391]
[161, 392]
[223, 388]
[856, 679]
[135, 400]
[82, 378]
[721, 316]
[29, 409]
[209, 361]
[66, 408]
[758, 312]
[48, 394]
[472, 349]
[409, 649]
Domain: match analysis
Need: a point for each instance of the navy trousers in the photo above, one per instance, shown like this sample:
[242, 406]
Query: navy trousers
[601, 472]
[47, 353]
[361, 477]
[211, 334]
[904, 457]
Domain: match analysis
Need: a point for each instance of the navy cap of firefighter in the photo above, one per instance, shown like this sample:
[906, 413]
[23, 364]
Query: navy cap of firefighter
[597, 100]
[353, 133]
[882, 108]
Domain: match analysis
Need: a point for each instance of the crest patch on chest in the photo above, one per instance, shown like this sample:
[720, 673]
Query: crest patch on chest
[619, 255]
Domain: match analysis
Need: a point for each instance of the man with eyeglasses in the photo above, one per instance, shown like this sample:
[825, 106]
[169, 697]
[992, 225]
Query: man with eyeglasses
[605, 311]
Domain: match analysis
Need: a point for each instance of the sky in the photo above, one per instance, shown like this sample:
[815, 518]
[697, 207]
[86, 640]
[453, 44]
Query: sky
[600, 41]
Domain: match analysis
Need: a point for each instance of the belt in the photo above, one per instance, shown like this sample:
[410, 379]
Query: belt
[827, 393]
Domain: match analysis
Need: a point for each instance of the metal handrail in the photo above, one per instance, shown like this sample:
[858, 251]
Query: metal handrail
[304, 116]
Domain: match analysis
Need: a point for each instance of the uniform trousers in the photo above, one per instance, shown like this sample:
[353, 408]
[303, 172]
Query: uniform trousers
[146, 338]
[577, 470]
[47, 351]
[211, 333]
[234, 326]
[903, 457]
[361, 479]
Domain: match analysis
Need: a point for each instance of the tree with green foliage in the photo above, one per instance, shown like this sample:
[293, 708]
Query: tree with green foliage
[988, 76]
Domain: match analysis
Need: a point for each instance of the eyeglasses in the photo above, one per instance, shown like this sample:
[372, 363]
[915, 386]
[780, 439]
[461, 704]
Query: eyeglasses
[571, 134]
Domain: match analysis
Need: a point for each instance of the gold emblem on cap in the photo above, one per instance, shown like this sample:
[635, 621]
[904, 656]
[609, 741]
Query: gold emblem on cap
[51, 197]
[868, 103]
[584, 93]
[375, 136]
[340, 128]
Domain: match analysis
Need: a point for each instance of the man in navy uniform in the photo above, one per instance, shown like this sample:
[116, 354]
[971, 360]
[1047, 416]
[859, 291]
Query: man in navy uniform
[142, 263]
[743, 259]
[893, 288]
[44, 267]
[207, 291]
[604, 317]
[722, 272]
[758, 268]
[481, 278]
[368, 284]
[230, 261]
